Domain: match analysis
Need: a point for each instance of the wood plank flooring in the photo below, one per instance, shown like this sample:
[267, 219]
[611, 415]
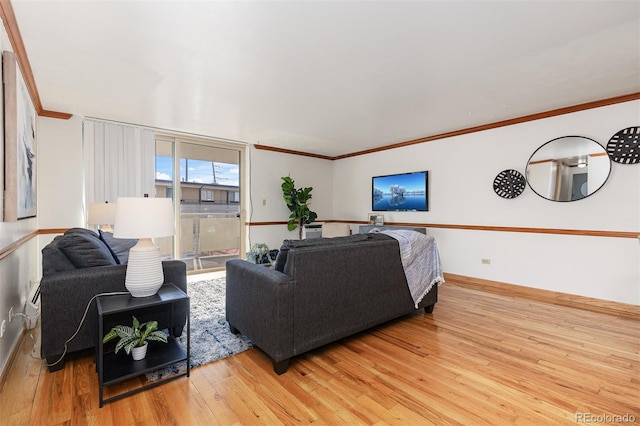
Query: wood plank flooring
[480, 359]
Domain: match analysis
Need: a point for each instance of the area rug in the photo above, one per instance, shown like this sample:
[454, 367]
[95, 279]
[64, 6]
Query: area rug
[211, 338]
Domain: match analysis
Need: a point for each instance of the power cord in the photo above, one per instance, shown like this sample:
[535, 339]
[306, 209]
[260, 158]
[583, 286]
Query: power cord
[28, 318]
[84, 316]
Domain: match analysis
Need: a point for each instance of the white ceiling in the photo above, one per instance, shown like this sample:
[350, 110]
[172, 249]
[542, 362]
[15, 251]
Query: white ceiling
[327, 77]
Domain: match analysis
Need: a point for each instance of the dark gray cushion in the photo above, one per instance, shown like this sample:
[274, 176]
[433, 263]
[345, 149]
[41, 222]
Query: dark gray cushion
[53, 259]
[84, 249]
[119, 247]
[281, 260]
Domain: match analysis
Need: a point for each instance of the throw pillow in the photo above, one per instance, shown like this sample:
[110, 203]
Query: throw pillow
[84, 249]
[281, 259]
[53, 259]
[119, 247]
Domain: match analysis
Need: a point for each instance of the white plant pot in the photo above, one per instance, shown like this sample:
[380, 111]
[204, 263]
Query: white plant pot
[139, 352]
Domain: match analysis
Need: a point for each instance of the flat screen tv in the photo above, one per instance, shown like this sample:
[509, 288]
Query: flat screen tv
[401, 192]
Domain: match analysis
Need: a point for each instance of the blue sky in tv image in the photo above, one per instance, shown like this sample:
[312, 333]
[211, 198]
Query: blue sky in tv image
[199, 171]
[406, 191]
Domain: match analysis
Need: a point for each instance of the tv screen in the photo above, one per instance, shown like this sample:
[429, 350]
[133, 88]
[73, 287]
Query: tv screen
[401, 192]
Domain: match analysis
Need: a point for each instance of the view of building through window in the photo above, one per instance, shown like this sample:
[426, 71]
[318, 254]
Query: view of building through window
[209, 181]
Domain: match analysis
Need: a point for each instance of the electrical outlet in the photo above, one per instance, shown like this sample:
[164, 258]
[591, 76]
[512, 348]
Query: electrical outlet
[3, 328]
[11, 314]
[485, 261]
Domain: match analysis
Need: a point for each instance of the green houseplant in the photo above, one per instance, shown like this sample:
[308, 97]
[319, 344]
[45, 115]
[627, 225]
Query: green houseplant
[135, 336]
[297, 200]
[259, 253]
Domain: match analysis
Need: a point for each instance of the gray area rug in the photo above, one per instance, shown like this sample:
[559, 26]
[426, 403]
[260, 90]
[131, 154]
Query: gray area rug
[211, 338]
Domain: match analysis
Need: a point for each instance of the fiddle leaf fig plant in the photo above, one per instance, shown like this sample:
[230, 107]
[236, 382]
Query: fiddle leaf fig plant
[135, 336]
[297, 200]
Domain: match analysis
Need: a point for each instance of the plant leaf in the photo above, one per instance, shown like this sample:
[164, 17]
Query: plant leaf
[157, 336]
[123, 330]
[130, 345]
[124, 343]
[109, 336]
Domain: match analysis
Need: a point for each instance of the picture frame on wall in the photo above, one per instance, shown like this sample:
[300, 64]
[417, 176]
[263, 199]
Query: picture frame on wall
[20, 200]
[376, 219]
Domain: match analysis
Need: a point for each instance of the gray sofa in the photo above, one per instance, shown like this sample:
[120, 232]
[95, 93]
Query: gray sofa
[321, 290]
[77, 266]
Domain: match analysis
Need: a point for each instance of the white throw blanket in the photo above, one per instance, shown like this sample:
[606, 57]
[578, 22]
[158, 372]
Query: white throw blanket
[420, 260]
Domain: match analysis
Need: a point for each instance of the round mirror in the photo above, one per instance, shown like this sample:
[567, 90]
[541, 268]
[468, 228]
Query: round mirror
[568, 168]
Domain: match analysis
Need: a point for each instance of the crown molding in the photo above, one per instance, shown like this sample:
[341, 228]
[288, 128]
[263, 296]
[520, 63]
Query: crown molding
[292, 152]
[495, 125]
[15, 38]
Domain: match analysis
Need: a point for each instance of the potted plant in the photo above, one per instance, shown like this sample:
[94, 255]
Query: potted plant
[297, 200]
[134, 339]
[259, 254]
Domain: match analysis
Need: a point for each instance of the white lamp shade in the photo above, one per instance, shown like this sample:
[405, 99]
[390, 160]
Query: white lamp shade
[101, 214]
[144, 218]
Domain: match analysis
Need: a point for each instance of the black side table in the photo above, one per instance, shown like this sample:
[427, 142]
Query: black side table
[114, 368]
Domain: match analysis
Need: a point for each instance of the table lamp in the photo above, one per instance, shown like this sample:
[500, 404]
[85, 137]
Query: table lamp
[103, 215]
[144, 218]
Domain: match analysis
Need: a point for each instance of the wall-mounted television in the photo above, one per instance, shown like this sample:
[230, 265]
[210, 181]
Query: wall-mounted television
[401, 192]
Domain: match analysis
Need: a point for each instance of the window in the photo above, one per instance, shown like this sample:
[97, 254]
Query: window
[209, 230]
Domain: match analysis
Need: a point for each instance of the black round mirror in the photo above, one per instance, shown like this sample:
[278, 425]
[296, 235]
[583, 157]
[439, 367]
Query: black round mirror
[568, 168]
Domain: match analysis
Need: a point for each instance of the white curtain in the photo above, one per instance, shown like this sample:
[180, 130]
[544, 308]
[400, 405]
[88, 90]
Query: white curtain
[119, 161]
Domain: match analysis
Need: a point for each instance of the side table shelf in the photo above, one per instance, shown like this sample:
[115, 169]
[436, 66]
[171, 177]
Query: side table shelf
[114, 368]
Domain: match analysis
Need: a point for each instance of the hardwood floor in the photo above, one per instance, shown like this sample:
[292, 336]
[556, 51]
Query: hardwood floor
[480, 358]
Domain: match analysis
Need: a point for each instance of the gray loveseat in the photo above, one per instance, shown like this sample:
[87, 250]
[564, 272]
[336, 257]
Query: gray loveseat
[320, 291]
[77, 266]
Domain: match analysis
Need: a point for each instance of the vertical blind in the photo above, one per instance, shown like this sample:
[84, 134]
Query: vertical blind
[119, 161]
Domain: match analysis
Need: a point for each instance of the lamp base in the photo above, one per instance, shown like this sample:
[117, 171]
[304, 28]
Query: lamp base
[144, 271]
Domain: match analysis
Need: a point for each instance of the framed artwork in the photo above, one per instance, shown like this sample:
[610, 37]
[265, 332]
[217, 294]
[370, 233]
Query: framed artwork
[19, 144]
[376, 219]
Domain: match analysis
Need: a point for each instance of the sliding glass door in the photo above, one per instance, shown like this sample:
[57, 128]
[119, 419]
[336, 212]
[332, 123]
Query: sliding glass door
[209, 230]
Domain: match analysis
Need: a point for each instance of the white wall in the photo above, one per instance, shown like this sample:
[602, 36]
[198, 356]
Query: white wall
[60, 166]
[461, 173]
[60, 187]
[264, 173]
[59, 182]
[16, 269]
[16, 273]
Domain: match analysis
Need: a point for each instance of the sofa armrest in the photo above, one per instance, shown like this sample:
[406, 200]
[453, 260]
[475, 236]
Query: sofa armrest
[64, 297]
[259, 303]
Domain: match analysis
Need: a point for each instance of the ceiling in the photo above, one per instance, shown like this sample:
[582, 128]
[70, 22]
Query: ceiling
[327, 77]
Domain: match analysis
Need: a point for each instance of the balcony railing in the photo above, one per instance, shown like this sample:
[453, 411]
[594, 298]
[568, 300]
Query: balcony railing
[207, 239]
